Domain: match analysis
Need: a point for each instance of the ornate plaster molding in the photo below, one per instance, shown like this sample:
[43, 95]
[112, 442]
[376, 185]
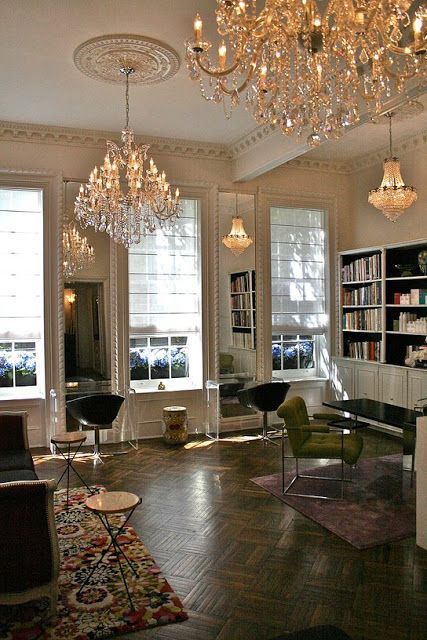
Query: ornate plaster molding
[43, 134]
[400, 147]
[249, 140]
[319, 165]
[102, 57]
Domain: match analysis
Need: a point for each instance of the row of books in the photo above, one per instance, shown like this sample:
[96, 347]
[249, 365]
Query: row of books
[363, 319]
[368, 268]
[365, 350]
[240, 301]
[240, 283]
[241, 318]
[363, 295]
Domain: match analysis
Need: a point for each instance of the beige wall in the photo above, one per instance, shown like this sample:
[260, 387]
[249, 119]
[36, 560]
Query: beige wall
[368, 226]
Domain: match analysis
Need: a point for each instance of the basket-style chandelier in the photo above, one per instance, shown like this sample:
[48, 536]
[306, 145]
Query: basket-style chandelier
[306, 69]
[237, 240]
[145, 204]
[393, 196]
[77, 253]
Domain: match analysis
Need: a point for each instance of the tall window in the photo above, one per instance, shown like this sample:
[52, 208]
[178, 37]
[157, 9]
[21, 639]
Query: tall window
[21, 292]
[165, 306]
[299, 319]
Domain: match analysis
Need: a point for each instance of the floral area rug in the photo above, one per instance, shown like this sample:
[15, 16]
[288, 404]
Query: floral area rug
[101, 609]
[378, 506]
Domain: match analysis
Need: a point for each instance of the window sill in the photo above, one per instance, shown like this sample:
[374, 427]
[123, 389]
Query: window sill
[6, 395]
[300, 380]
[168, 390]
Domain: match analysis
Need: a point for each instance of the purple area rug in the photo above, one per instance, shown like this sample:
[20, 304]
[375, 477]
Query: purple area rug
[378, 506]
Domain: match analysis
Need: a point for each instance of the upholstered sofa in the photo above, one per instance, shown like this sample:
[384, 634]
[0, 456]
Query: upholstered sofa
[29, 558]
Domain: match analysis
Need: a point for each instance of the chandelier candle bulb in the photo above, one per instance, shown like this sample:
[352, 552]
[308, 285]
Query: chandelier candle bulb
[198, 25]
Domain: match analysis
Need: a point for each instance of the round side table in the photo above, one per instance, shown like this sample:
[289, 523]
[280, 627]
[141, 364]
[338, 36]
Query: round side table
[175, 425]
[104, 505]
[63, 442]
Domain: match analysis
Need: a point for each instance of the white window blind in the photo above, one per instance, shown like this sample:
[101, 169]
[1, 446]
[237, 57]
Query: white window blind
[164, 279]
[298, 270]
[21, 260]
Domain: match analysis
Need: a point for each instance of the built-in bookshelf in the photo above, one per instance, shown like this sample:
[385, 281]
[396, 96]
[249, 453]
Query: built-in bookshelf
[383, 302]
[242, 303]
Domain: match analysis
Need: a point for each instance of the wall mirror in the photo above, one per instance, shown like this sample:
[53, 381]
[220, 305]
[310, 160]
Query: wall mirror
[237, 303]
[87, 330]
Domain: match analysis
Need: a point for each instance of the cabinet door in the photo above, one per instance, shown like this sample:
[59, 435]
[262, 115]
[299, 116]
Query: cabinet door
[417, 387]
[342, 380]
[393, 386]
[366, 381]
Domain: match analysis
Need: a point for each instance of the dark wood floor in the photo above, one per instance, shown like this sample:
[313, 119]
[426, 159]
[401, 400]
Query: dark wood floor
[248, 566]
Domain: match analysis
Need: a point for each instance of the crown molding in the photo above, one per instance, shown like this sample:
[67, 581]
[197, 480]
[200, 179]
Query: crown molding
[44, 134]
[320, 165]
[249, 140]
[402, 146]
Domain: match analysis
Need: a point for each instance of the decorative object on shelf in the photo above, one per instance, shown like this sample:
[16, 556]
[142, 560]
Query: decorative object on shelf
[392, 197]
[405, 269]
[175, 425]
[305, 68]
[237, 240]
[148, 203]
[77, 253]
[422, 261]
[161, 386]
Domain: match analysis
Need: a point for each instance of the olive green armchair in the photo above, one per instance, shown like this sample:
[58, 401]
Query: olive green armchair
[305, 442]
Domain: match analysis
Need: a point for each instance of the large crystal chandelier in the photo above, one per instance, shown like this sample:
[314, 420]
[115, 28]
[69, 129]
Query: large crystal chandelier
[392, 197]
[306, 69]
[147, 202]
[237, 240]
[77, 253]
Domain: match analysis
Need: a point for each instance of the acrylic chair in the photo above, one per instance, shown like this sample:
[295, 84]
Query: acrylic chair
[308, 444]
[96, 411]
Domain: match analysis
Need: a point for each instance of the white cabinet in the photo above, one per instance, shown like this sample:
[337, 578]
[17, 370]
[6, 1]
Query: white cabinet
[417, 386]
[393, 386]
[342, 379]
[366, 380]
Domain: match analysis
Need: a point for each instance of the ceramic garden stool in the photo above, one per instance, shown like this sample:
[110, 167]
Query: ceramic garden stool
[62, 443]
[105, 505]
[175, 424]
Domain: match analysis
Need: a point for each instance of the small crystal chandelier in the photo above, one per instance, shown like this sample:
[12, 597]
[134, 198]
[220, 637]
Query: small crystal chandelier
[146, 204]
[237, 240]
[77, 253]
[392, 196]
[305, 69]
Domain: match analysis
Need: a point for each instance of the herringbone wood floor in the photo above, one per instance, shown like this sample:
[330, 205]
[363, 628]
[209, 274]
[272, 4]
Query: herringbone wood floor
[248, 566]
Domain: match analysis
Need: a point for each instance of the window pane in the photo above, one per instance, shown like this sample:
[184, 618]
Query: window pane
[179, 359]
[162, 341]
[6, 367]
[138, 362]
[306, 353]
[25, 368]
[159, 364]
[290, 356]
[277, 357]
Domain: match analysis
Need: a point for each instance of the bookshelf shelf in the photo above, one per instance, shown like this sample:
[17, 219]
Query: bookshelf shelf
[242, 309]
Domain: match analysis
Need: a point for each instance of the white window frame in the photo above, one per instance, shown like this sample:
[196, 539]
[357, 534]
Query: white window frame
[321, 340]
[195, 338]
[38, 390]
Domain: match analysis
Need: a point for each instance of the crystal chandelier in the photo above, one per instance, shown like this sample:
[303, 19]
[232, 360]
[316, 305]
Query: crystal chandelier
[147, 203]
[306, 69]
[237, 240]
[77, 253]
[392, 196]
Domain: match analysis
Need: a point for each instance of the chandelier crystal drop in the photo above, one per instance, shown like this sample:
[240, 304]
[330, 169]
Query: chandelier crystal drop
[306, 69]
[237, 240]
[392, 197]
[77, 253]
[145, 205]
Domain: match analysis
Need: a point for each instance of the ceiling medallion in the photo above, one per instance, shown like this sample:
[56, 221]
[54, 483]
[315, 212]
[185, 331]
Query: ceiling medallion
[102, 57]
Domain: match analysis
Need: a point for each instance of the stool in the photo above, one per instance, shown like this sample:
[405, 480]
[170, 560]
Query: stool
[109, 503]
[175, 425]
[68, 439]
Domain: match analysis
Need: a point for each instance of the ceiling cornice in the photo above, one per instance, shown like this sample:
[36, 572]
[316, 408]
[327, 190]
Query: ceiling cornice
[33, 133]
[402, 146]
[25, 132]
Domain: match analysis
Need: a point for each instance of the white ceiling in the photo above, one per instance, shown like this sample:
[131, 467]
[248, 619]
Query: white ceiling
[40, 84]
